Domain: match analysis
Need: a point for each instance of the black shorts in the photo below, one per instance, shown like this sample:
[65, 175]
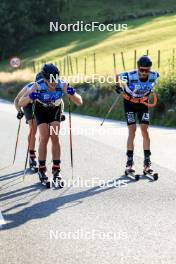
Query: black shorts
[47, 114]
[134, 109]
[28, 112]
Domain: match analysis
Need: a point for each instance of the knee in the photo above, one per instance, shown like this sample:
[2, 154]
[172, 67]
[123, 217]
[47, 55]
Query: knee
[44, 139]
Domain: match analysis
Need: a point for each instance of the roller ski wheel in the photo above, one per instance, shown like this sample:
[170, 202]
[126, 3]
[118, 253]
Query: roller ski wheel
[44, 179]
[129, 172]
[33, 165]
[57, 179]
[155, 176]
[150, 173]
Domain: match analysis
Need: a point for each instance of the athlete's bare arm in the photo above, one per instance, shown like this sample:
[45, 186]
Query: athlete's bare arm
[17, 98]
[25, 99]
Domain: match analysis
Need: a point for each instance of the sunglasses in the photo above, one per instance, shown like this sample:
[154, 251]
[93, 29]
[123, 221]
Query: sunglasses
[144, 70]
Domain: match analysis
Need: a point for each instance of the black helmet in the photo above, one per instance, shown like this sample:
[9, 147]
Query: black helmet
[48, 69]
[38, 76]
[144, 61]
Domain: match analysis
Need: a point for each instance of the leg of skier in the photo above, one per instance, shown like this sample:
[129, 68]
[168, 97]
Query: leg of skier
[31, 141]
[56, 152]
[146, 147]
[44, 137]
[130, 146]
[33, 130]
[30, 120]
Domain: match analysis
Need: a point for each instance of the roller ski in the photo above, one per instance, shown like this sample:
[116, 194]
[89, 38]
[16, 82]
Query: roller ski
[43, 177]
[130, 171]
[32, 162]
[57, 178]
[149, 172]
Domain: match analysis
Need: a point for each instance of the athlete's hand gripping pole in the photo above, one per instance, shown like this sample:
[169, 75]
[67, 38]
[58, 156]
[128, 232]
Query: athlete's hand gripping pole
[150, 105]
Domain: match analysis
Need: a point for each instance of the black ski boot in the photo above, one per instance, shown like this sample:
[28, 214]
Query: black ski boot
[148, 171]
[147, 166]
[130, 166]
[57, 178]
[130, 170]
[43, 177]
[32, 161]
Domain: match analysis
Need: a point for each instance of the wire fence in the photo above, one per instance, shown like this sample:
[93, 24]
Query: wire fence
[70, 65]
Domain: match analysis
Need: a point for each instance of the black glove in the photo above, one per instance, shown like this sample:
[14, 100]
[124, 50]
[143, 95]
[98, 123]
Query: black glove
[20, 114]
[62, 118]
[118, 89]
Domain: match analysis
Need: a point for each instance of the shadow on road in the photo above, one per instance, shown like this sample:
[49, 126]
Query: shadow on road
[11, 175]
[46, 208]
[20, 192]
[17, 178]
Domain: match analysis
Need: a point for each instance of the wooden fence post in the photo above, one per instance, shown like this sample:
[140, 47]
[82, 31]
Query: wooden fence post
[33, 66]
[159, 58]
[114, 63]
[123, 62]
[68, 68]
[71, 66]
[76, 62]
[60, 65]
[64, 66]
[85, 65]
[173, 59]
[94, 59]
[135, 56]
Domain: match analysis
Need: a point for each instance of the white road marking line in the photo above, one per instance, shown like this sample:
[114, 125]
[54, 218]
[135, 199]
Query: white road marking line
[2, 221]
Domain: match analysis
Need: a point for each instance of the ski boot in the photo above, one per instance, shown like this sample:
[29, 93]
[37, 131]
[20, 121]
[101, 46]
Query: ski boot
[148, 171]
[43, 177]
[130, 170]
[32, 162]
[57, 178]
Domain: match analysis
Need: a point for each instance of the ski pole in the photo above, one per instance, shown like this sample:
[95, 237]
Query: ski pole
[29, 141]
[16, 145]
[70, 135]
[110, 109]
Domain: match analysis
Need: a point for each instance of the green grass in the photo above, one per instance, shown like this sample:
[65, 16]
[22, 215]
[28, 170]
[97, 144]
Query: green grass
[99, 97]
[143, 34]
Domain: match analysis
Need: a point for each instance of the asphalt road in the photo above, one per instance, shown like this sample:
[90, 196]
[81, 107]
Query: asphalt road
[101, 216]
